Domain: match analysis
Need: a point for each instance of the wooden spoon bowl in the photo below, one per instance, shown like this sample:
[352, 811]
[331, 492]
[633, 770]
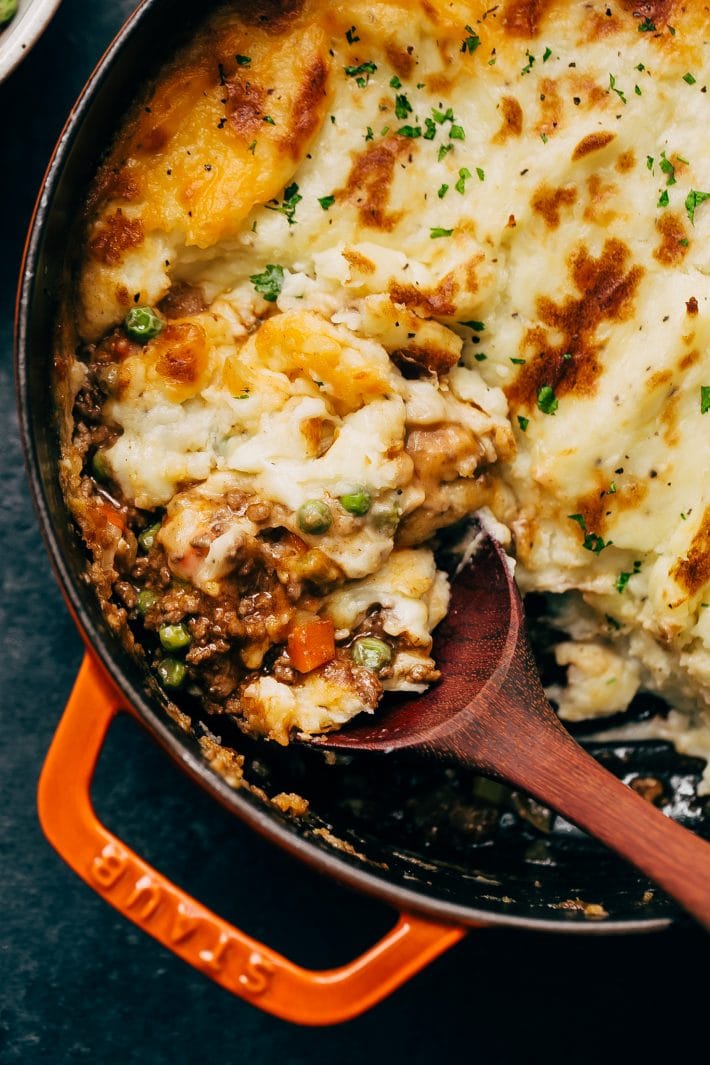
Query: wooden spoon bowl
[489, 712]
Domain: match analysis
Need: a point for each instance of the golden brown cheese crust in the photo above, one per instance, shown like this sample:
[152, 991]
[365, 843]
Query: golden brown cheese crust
[186, 156]
[605, 288]
[516, 172]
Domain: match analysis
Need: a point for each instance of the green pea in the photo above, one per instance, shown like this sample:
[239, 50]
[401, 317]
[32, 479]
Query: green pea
[174, 637]
[146, 599]
[315, 516]
[385, 517]
[357, 502]
[371, 653]
[100, 467]
[147, 537]
[142, 323]
[172, 673]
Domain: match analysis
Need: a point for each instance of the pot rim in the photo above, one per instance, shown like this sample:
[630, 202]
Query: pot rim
[154, 720]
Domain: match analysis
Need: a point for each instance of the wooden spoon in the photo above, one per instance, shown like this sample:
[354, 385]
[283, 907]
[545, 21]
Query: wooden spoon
[489, 713]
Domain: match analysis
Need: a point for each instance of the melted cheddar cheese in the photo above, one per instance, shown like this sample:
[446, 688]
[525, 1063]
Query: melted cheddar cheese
[511, 199]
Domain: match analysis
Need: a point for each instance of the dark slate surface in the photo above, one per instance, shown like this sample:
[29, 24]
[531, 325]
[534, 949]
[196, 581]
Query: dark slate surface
[78, 983]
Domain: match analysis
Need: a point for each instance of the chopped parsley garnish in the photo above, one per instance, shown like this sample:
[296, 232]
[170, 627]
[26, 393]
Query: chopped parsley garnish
[668, 169]
[547, 400]
[689, 79]
[363, 69]
[517, 362]
[640, 67]
[612, 621]
[430, 131]
[410, 131]
[530, 63]
[663, 199]
[402, 106]
[326, 201]
[437, 231]
[351, 35]
[460, 185]
[252, 147]
[477, 327]
[546, 54]
[269, 119]
[395, 83]
[243, 60]
[693, 201]
[444, 150]
[443, 189]
[637, 90]
[442, 116]
[647, 26]
[481, 173]
[369, 135]
[611, 490]
[544, 138]
[612, 86]
[457, 134]
[288, 207]
[270, 283]
[472, 42]
[704, 399]
[649, 162]
[567, 355]
[480, 357]
[623, 579]
[523, 423]
[592, 541]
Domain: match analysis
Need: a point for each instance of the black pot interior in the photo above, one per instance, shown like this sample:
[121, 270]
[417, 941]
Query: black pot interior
[422, 836]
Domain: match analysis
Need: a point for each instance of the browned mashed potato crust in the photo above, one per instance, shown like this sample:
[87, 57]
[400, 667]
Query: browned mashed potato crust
[440, 255]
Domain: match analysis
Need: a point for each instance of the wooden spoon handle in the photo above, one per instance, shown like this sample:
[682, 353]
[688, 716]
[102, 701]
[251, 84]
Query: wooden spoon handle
[552, 767]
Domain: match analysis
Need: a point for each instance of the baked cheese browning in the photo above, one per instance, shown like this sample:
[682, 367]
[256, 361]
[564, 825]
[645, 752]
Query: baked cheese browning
[592, 142]
[222, 131]
[693, 571]
[116, 235]
[524, 18]
[550, 202]
[422, 258]
[605, 289]
[369, 181]
[674, 240]
[512, 124]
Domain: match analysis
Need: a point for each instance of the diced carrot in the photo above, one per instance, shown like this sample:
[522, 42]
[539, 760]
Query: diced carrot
[311, 644]
[112, 516]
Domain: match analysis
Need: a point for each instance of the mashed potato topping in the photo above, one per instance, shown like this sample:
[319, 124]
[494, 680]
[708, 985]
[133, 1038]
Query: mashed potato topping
[445, 254]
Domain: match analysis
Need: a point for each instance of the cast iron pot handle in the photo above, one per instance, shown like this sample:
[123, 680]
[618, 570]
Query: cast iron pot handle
[231, 958]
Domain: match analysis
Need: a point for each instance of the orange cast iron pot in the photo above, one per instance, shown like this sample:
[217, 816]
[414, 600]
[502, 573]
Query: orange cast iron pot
[436, 903]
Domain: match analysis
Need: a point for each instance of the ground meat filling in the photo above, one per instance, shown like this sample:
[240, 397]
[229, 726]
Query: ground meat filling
[250, 621]
[217, 646]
